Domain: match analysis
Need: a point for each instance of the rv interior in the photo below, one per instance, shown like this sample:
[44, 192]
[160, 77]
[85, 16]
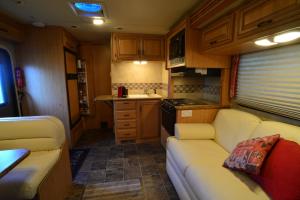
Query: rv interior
[149, 99]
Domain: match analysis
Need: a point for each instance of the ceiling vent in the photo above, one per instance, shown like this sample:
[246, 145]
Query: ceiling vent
[88, 8]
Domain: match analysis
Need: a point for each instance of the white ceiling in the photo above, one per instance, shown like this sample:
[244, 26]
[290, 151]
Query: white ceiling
[134, 16]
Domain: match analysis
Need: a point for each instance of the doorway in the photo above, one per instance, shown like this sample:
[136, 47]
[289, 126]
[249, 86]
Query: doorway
[8, 97]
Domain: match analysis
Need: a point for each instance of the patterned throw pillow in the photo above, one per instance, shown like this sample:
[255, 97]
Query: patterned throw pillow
[248, 156]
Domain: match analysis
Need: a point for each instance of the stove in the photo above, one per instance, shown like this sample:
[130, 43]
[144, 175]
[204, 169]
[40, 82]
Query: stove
[168, 111]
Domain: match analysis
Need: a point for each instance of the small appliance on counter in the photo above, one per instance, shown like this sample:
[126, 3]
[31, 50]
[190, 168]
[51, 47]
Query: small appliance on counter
[122, 91]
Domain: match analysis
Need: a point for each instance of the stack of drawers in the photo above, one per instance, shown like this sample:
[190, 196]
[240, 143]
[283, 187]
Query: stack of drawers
[125, 113]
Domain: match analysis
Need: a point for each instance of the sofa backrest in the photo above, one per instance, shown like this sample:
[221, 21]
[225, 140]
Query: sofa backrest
[40, 133]
[286, 131]
[233, 126]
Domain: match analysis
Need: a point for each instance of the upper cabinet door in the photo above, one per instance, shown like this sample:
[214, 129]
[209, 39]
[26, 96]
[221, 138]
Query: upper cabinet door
[127, 47]
[218, 33]
[258, 16]
[152, 48]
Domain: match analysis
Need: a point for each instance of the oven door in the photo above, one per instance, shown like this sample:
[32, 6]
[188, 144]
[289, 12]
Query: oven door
[168, 118]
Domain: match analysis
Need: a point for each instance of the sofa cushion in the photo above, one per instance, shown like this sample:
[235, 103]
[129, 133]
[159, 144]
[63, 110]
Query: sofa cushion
[194, 131]
[281, 171]
[37, 133]
[23, 181]
[233, 126]
[249, 155]
[286, 131]
[187, 152]
[210, 181]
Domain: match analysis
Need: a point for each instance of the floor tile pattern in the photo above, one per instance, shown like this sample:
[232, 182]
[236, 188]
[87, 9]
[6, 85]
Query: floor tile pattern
[127, 171]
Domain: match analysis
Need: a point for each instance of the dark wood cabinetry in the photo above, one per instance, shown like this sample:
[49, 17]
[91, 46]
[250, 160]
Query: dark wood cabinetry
[126, 46]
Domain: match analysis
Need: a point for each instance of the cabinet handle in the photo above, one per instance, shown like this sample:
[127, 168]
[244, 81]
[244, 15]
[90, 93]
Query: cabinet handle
[213, 42]
[125, 103]
[127, 115]
[126, 124]
[264, 23]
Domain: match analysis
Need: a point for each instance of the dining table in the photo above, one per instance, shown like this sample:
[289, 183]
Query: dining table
[11, 158]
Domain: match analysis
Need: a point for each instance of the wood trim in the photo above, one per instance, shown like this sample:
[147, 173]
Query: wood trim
[10, 29]
[198, 116]
[224, 93]
[58, 182]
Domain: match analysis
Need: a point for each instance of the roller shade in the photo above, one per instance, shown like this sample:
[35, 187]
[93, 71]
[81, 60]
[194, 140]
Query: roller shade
[270, 81]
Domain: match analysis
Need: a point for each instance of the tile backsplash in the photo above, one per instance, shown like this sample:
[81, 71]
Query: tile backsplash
[137, 78]
[201, 87]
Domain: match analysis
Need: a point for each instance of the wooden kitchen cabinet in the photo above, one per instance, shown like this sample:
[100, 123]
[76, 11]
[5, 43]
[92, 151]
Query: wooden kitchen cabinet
[137, 120]
[149, 119]
[127, 46]
[262, 15]
[218, 33]
[152, 48]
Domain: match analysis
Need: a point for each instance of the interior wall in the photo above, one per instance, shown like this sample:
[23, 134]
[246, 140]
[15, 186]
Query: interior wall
[137, 78]
[98, 60]
[42, 58]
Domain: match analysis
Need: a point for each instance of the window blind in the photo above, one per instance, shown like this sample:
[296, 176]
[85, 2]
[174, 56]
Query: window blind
[270, 81]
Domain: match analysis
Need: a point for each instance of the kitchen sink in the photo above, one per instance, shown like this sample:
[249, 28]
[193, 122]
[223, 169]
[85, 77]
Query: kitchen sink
[143, 96]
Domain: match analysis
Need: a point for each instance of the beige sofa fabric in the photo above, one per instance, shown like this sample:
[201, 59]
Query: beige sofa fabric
[44, 136]
[24, 179]
[199, 161]
[233, 126]
[194, 131]
[35, 133]
[286, 131]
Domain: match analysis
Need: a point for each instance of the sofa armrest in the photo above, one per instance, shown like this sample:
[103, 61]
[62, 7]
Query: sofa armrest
[194, 131]
[37, 133]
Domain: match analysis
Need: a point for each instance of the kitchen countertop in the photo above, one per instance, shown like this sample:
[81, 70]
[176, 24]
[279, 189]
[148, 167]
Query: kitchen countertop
[194, 107]
[130, 97]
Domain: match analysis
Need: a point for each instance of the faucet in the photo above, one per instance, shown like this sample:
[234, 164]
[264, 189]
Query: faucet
[154, 90]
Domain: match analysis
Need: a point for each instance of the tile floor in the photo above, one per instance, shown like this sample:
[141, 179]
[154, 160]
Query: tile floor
[109, 163]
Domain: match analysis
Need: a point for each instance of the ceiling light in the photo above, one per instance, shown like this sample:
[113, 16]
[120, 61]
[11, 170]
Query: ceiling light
[265, 43]
[287, 37]
[98, 21]
[140, 62]
[88, 7]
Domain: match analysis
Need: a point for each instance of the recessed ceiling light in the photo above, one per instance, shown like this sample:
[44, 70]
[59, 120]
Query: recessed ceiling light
[265, 43]
[287, 37]
[98, 21]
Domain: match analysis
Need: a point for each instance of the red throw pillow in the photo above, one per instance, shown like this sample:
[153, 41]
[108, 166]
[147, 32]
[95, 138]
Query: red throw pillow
[248, 155]
[280, 173]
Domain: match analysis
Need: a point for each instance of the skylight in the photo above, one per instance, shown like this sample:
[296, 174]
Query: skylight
[88, 7]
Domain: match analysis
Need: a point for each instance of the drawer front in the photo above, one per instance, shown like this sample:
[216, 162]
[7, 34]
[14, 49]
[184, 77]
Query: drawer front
[126, 133]
[126, 114]
[125, 105]
[125, 124]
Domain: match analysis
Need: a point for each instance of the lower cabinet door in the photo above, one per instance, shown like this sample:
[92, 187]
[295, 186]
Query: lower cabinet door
[149, 117]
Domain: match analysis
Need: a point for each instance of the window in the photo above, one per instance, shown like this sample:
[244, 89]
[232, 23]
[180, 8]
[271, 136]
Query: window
[270, 81]
[2, 99]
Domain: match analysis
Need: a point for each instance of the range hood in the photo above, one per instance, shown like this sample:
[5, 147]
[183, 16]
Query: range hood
[194, 72]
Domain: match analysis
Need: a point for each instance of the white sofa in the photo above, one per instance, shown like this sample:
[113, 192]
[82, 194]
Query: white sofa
[197, 152]
[45, 173]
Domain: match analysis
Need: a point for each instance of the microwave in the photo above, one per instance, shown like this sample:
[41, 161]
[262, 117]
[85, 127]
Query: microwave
[177, 50]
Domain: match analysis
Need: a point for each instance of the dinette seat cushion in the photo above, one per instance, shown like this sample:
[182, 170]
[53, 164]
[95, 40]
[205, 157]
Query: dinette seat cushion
[37, 133]
[23, 181]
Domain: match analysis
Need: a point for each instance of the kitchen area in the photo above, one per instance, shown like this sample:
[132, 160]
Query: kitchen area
[157, 81]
